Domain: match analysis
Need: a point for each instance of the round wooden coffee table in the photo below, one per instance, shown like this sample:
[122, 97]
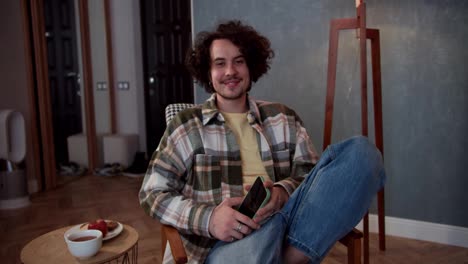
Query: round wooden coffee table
[51, 248]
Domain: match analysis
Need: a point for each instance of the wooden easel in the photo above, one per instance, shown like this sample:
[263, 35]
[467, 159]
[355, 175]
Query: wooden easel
[359, 23]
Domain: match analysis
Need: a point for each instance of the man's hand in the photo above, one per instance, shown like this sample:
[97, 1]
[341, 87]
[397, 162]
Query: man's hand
[278, 197]
[227, 224]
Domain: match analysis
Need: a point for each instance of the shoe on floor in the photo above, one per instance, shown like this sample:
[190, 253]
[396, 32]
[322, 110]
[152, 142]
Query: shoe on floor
[109, 170]
[71, 169]
[138, 167]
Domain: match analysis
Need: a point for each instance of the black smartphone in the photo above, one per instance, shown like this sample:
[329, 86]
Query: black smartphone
[255, 199]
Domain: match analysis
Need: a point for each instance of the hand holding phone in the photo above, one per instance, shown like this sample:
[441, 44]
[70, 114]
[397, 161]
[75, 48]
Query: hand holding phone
[255, 199]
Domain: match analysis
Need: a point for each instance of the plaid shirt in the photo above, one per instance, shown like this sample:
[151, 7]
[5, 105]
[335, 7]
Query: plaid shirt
[198, 164]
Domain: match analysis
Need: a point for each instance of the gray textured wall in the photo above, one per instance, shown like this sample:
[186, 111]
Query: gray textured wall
[425, 87]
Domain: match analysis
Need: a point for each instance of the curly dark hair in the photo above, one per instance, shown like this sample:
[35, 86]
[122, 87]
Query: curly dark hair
[255, 48]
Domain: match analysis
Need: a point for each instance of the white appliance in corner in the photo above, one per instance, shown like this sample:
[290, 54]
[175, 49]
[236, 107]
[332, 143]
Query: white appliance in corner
[13, 182]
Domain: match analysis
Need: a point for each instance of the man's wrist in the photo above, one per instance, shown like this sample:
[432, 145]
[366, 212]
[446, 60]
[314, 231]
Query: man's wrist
[208, 225]
[283, 187]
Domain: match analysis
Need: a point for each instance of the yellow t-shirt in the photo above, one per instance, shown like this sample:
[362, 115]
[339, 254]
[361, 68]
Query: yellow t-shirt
[252, 165]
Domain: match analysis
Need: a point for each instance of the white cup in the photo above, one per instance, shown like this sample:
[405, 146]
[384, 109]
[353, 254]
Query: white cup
[83, 244]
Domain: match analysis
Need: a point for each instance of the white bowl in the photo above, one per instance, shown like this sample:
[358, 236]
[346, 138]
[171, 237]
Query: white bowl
[83, 249]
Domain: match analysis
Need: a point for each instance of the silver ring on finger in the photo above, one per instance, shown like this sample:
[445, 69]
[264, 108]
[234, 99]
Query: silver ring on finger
[239, 227]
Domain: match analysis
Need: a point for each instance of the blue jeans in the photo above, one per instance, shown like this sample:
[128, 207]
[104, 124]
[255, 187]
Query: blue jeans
[331, 200]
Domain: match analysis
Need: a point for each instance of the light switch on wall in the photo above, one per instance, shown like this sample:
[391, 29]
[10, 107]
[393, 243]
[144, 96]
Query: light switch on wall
[123, 85]
[100, 86]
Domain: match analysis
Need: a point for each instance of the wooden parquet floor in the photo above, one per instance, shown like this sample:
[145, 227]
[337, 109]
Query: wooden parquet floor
[92, 197]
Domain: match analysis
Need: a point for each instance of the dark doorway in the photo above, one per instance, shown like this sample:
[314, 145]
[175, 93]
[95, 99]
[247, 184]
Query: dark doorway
[166, 31]
[59, 19]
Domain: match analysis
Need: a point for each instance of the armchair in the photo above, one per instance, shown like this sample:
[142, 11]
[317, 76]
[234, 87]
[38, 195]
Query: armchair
[170, 236]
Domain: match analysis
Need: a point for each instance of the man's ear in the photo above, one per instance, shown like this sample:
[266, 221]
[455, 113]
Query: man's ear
[210, 82]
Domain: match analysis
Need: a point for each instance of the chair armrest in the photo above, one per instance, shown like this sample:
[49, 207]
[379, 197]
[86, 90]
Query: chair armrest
[171, 234]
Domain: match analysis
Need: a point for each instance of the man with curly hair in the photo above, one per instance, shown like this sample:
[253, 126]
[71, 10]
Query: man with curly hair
[211, 154]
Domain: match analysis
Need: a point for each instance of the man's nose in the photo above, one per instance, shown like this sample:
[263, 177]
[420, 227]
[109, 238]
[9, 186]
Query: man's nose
[231, 69]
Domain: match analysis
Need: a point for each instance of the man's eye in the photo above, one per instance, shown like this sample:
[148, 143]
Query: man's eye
[219, 64]
[240, 61]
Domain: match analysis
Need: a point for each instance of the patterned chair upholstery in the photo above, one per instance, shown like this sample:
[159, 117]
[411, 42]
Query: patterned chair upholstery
[173, 109]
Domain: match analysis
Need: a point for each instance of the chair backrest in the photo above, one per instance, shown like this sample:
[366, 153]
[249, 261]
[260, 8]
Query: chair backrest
[173, 109]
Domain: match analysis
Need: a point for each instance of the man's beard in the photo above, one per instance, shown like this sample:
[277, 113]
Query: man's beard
[232, 96]
[225, 93]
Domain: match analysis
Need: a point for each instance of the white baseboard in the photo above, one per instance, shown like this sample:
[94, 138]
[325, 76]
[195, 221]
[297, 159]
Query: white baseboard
[439, 233]
[15, 203]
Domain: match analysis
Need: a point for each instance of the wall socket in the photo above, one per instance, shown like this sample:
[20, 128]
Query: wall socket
[123, 85]
[101, 86]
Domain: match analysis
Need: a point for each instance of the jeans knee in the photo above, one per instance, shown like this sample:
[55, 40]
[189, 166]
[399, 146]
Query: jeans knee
[360, 140]
[363, 146]
[369, 156]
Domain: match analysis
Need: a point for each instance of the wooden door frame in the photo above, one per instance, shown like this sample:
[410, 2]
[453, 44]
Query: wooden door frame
[43, 95]
[42, 88]
[87, 76]
[32, 103]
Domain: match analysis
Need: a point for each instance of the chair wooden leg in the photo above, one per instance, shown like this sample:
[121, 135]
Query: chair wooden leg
[381, 215]
[353, 241]
[366, 238]
[354, 251]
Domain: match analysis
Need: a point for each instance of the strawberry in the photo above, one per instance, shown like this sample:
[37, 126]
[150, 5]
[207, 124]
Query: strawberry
[99, 225]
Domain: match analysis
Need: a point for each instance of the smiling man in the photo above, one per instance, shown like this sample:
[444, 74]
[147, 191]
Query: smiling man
[211, 154]
[229, 75]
